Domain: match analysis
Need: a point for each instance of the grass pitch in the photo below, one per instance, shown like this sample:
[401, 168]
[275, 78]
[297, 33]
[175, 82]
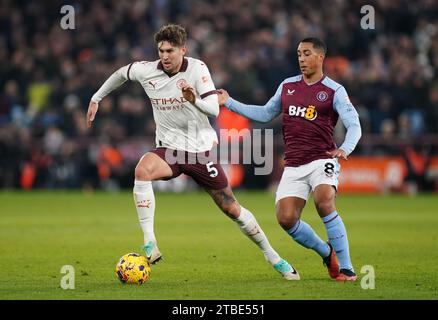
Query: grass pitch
[205, 254]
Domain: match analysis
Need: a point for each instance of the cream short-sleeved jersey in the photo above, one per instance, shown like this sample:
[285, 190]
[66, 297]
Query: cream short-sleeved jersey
[179, 124]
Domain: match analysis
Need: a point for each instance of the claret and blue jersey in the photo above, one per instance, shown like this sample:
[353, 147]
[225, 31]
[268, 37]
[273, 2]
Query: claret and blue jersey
[309, 113]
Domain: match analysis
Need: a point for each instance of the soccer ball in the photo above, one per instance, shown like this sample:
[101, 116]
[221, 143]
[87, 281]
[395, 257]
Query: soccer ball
[133, 268]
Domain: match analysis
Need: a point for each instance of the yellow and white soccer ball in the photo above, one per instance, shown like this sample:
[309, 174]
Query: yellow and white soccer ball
[133, 268]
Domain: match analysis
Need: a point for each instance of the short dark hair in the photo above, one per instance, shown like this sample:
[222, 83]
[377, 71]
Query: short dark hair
[317, 43]
[173, 33]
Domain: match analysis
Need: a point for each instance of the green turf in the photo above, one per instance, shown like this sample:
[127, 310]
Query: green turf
[205, 255]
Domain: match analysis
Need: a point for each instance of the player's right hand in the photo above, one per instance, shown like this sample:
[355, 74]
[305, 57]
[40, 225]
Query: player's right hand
[91, 113]
[337, 153]
[223, 96]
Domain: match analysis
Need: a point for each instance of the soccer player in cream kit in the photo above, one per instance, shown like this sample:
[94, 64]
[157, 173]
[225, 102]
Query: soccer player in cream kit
[182, 95]
[310, 105]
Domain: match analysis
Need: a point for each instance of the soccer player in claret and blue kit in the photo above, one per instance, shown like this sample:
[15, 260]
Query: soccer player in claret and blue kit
[182, 96]
[310, 105]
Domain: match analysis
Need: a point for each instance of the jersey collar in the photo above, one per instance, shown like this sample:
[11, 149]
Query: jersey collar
[183, 67]
[311, 84]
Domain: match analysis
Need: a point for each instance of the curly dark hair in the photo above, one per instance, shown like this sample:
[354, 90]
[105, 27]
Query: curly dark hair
[175, 34]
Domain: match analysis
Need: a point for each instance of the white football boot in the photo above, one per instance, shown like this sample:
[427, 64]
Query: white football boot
[153, 254]
[286, 270]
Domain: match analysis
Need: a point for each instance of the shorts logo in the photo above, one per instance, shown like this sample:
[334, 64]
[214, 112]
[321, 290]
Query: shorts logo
[322, 96]
[180, 83]
[308, 112]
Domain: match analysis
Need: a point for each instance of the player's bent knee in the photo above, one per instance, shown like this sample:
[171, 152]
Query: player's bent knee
[143, 172]
[326, 207]
[288, 219]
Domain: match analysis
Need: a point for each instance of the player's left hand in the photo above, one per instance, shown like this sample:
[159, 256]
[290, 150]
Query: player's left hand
[188, 93]
[337, 153]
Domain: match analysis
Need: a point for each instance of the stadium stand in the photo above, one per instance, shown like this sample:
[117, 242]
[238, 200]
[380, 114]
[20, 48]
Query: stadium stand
[49, 74]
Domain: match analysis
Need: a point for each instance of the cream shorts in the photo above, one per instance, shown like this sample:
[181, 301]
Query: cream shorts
[300, 181]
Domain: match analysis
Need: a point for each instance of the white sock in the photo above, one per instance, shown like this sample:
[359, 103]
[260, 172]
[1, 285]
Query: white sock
[249, 226]
[145, 204]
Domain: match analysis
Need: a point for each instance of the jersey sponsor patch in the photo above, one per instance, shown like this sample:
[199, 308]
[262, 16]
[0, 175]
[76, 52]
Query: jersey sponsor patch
[308, 112]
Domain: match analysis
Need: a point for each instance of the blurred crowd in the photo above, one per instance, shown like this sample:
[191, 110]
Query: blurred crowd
[49, 74]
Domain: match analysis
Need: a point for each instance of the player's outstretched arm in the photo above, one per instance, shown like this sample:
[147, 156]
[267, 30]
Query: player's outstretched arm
[258, 113]
[113, 82]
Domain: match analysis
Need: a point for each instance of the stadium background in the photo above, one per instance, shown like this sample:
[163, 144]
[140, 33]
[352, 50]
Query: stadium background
[49, 74]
